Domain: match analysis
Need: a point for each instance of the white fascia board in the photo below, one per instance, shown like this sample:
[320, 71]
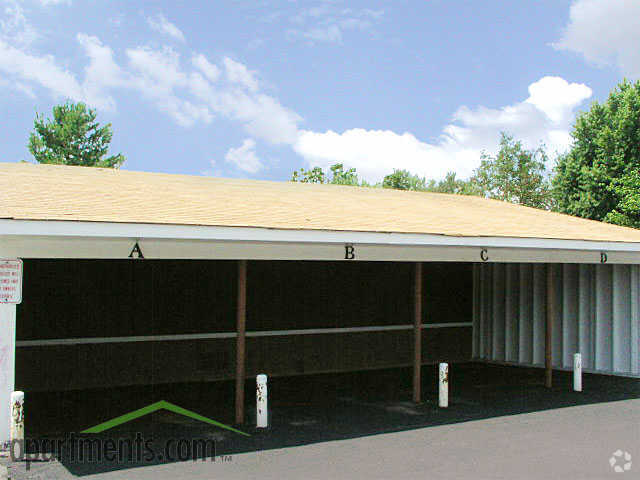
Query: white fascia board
[60, 228]
[119, 248]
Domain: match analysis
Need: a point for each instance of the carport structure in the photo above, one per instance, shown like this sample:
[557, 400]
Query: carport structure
[134, 278]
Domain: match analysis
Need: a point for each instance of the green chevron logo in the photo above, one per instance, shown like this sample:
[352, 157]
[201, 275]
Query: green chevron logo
[161, 405]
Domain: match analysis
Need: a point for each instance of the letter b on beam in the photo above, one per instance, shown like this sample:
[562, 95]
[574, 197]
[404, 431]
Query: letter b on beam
[349, 252]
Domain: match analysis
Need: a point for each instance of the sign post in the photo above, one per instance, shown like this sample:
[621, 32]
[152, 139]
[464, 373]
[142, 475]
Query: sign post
[11, 281]
[10, 295]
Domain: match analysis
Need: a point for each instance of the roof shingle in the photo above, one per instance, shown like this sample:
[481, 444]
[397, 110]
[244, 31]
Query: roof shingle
[53, 192]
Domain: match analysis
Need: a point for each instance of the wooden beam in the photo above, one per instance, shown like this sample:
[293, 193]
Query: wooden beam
[241, 321]
[417, 332]
[550, 316]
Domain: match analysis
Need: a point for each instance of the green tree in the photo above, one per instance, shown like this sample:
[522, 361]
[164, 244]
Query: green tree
[72, 137]
[596, 178]
[339, 176]
[451, 184]
[404, 180]
[313, 175]
[514, 175]
[627, 211]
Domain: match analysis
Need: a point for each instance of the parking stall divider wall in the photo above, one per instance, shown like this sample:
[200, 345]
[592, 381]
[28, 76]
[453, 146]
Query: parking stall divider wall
[593, 310]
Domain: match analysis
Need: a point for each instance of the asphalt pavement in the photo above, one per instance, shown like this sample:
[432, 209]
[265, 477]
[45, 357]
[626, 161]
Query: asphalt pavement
[501, 423]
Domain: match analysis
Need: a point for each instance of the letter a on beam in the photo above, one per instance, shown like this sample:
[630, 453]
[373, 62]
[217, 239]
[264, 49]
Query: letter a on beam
[136, 252]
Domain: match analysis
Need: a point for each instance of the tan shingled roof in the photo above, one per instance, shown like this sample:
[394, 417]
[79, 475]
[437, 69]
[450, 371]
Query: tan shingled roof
[48, 192]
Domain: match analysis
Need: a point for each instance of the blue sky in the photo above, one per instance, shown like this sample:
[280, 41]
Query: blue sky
[257, 89]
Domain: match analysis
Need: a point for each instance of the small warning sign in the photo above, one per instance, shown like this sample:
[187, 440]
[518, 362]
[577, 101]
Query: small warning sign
[10, 281]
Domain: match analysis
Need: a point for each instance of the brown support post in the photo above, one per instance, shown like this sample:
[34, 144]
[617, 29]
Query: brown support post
[548, 338]
[417, 333]
[241, 317]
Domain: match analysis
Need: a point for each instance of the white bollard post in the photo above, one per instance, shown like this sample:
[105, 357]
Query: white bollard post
[262, 412]
[16, 429]
[577, 372]
[443, 397]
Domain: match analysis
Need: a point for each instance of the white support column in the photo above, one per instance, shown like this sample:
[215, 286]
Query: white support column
[7, 365]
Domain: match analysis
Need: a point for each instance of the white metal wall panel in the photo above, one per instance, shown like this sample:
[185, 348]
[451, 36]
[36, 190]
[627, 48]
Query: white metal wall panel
[511, 309]
[604, 324]
[539, 312]
[621, 339]
[498, 329]
[487, 317]
[635, 319]
[557, 340]
[525, 317]
[570, 291]
[598, 315]
[586, 315]
[475, 314]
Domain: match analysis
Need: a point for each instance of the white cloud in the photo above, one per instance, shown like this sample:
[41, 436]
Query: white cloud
[557, 98]
[26, 89]
[160, 69]
[189, 93]
[14, 27]
[157, 75]
[328, 23]
[264, 117]
[192, 92]
[46, 3]
[18, 86]
[195, 95]
[190, 96]
[101, 73]
[210, 70]
[160, 24]
[545, 116]
[240, 74]
[376, 14]
[244, 157]
[605, 32]
[373, 153]
[42, 70]
[329, 34]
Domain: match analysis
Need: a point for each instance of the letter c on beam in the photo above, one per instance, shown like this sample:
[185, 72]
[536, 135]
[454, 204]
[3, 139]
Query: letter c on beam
[484, 254]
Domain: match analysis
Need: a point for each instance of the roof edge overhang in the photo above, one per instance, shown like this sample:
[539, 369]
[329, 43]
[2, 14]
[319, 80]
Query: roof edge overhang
[81, 229]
